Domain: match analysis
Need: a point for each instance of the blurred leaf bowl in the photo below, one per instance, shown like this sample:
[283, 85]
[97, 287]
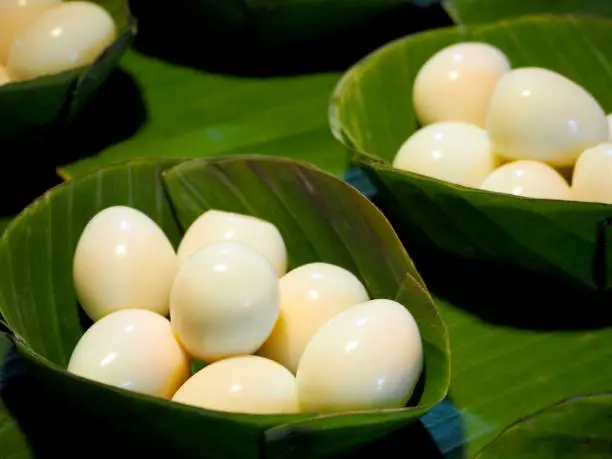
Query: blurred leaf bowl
[32, 107]
[321, 219]
[372, 114]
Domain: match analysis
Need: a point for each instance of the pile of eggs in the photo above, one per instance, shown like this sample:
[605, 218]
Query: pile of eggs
[514, 131]
[45, 37]
[321, 344]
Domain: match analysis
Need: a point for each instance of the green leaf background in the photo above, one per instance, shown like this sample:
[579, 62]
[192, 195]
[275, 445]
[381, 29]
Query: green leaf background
[479, 11]
[577, 427]
[502, 370]
[321, 219]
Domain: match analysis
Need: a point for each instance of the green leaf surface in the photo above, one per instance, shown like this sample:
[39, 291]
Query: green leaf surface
[13, 444]
[372, 114]
[4, 221]
[193, 113]
[502, 373]
[321, 219]
[580, 427]
[31, 107]
[479, 11]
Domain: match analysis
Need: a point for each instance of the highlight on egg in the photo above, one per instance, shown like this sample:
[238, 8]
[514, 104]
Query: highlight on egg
[68, 36]
[245, 384]
[123, 260]
[456, 83]
[530, 179]
[367, 357]
[322, 344]
[134, 349]
[537, 114]
[592, 177]
[310, 295]
[456, 152]
[224, 301]
[15, 15]
[217, 226]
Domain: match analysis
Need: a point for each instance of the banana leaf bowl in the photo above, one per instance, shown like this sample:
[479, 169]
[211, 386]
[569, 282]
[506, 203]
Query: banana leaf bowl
[557, 242]
[321, 218]
[34, 107]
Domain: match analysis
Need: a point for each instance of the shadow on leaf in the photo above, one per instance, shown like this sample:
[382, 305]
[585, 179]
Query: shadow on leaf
[114, 113]
[511, 297]
[196, 35]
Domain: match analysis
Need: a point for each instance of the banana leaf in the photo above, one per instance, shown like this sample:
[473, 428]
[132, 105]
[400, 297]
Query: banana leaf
[372, 114]
[320, 217]
[576, 427]
[477, 12]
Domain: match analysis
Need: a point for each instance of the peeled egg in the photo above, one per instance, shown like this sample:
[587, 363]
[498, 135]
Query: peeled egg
[134, 349]
[453, 151]
[68, 36]
[217, 226]
[309, 296]
[224, 301]
[537, 114]
[456, 83]
[4, 76]
[123, 260]
[367, 357]
[592, 178]
[15, 15]
[530, 179]
[246, 384]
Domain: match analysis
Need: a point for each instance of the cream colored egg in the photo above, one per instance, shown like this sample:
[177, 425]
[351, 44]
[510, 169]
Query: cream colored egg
[367, 357]
[68, 36]
[592, 178]
[134, 349]
[123, 260]
[247, 384]
[224, 301]
[456, 83]
[537, 114]
[453, 151]
[15, 15]
[216, 226]
[609, 117]
[4, 76]
[309, 296]
[531, 179]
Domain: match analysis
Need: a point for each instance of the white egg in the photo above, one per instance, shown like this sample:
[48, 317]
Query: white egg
[4, 76]
[609, 117]
[537, 114]
[217, 226]
[247, 384]
[123, 260]
[456, 83]
[531, 179]
[68, 36]
[15, 15]
[134, 349]
[224, 301]
[592, 178]
[367, 357]
[457, 152]
[309, 296]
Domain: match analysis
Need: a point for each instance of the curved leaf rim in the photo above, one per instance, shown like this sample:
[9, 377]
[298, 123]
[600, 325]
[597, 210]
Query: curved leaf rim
[361, 157]
[276, 422]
